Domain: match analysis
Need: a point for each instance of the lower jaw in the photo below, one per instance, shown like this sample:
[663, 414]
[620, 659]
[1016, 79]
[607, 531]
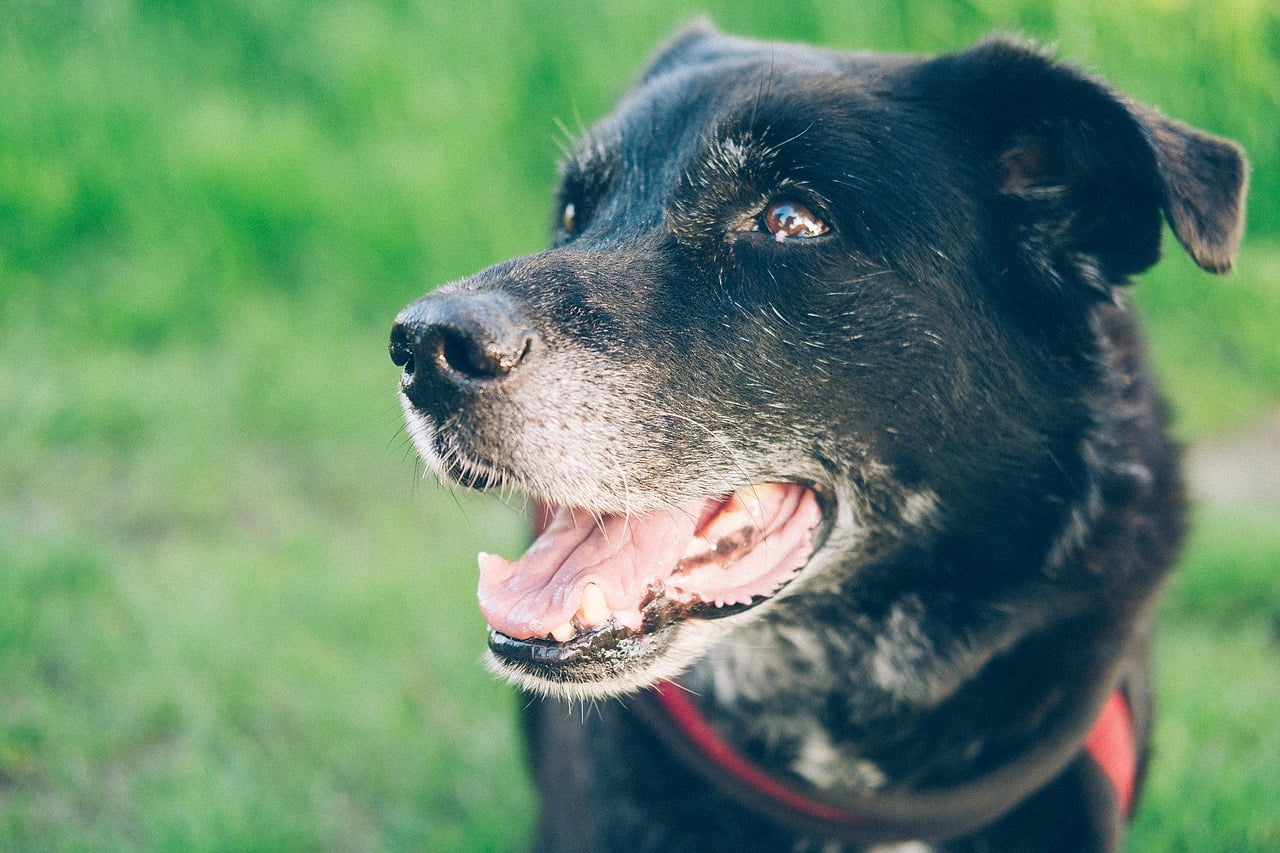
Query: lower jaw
[577, 663]
[587, 679]
[598, 660]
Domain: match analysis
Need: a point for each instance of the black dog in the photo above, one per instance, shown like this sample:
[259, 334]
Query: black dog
[836, 412]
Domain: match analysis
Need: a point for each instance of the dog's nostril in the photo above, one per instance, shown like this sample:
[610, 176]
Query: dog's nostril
[480, 357]
[464, 355]
[401, 348]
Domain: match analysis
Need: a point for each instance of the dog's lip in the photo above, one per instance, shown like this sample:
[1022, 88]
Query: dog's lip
[589, 580]
[610, 642]
[465, 469]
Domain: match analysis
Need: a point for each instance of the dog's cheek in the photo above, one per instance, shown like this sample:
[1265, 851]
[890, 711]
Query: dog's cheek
[583, 430]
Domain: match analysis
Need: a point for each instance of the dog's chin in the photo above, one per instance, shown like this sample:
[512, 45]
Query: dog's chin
[605, 664]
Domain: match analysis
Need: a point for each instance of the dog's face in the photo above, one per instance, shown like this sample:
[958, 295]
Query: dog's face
[802, 309]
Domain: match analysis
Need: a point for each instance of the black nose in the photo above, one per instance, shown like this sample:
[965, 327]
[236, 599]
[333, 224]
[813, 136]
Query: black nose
[457, 339]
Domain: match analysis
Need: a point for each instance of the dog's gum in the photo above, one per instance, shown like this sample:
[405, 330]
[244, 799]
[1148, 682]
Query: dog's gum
[722, 551]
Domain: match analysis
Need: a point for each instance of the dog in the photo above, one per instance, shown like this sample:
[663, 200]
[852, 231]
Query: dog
[854, 491]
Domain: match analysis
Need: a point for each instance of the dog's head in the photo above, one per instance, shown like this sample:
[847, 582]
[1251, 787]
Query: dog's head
[801, 307]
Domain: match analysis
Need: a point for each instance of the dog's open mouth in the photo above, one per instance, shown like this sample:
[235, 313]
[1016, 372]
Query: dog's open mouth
[589, 583]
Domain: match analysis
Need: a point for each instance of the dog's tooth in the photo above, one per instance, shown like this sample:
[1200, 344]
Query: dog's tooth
[746, 508]
[564, 633]
[742, 510]
[594, 609]
[752, 498]
[697, 546]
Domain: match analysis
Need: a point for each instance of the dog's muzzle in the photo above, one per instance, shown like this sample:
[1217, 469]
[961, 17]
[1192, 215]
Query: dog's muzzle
[600, 591]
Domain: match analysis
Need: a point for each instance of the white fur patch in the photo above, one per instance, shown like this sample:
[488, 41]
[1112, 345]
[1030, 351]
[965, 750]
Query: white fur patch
[919, 508]
[824, 765]
[902, 649]
[901, 644]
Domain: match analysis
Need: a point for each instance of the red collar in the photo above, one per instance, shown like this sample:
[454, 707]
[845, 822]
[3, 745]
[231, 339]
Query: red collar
[1110, 743]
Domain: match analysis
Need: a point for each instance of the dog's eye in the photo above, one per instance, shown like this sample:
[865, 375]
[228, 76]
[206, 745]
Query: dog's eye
[791, 219]
[569, 218]
[786, 219]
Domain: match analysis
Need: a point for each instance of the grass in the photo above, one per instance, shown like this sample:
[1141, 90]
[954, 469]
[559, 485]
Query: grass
[232, 615]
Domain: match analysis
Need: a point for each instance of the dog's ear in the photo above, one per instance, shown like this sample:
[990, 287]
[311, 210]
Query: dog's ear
[698, 41]
[1204, 178]
[1083, 170]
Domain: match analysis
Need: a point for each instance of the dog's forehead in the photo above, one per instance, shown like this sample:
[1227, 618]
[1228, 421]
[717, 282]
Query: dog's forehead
[750, 92]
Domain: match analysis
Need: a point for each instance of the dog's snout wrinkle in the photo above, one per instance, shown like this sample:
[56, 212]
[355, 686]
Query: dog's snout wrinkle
[461, 339]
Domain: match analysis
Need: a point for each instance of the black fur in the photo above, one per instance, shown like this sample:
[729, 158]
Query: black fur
[952, 367]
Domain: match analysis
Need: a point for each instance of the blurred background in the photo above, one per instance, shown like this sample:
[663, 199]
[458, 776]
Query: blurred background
[233, 612]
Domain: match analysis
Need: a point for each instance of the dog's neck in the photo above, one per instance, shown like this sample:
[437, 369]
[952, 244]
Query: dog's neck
[927, 692]
[772, 689]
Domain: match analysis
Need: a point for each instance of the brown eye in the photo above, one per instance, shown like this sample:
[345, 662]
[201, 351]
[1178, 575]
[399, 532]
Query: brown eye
[568, 219]
[791, 219]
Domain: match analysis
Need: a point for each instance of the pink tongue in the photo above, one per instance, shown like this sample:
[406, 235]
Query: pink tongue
[624, 555]
[628, 556]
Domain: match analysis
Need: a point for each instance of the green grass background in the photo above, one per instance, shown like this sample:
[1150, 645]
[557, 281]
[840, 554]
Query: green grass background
[233, 615]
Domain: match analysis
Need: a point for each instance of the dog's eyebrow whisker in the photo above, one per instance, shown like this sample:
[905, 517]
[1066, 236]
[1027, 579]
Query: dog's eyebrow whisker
[577, 118]
[852, 182]
[764, 87]
[567, 139]
[778, 146]
[685, 511]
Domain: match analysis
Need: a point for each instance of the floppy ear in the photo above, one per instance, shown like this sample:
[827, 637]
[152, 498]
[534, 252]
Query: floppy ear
[1204, 178]
[1083, 172]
